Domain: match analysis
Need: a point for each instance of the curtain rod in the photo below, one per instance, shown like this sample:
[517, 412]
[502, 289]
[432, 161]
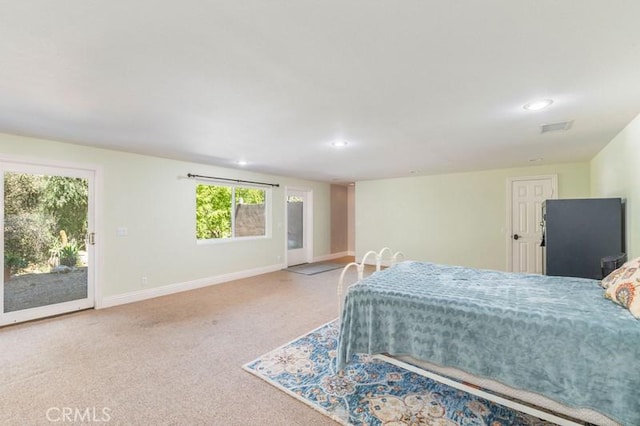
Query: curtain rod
[190, 175]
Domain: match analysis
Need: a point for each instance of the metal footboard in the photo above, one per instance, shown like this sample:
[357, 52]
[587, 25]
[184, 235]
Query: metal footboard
[378, 258]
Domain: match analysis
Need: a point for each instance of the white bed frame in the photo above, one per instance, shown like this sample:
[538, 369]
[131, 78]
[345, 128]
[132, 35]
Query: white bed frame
[378, 257]
[444, 374]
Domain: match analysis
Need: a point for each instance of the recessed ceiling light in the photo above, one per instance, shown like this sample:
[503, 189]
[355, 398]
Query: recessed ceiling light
[339, 144]
[537, 105]
[242, 162]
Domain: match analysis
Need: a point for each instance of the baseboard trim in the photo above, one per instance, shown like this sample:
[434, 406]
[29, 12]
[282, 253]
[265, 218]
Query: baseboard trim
[150, 293]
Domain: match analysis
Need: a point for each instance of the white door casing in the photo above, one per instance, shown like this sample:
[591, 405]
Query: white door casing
[525, 196]
[298, 229]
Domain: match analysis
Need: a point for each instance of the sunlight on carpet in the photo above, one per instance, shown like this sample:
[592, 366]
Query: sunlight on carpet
[370, 391]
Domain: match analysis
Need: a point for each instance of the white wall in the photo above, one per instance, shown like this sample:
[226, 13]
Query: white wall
[452, 219]
[153, 199]
[615, 172]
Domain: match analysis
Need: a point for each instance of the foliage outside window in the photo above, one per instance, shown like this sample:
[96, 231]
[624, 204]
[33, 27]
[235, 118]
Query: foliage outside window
[45, 220]
[224, 212]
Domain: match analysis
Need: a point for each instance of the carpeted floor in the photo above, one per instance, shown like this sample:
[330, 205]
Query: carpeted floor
[174, 360]
[373, 392]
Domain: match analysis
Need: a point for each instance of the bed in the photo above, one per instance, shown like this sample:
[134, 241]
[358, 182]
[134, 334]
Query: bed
[555, 342]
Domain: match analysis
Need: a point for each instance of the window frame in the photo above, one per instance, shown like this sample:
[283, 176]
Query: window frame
[233, 238]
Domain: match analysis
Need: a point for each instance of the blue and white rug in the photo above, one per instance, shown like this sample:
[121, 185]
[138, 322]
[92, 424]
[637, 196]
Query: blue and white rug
[373, 392]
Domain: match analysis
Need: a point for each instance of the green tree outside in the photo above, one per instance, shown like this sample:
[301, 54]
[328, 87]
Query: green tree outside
[66, 199]
[214, 208]
[36, 209]
[213, 211]
[250, 196]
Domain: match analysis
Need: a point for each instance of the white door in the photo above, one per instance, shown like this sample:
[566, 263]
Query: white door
[298, 226]
[526, 196]
[47, 240]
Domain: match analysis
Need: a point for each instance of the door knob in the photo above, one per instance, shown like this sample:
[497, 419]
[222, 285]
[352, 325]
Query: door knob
[516, 236]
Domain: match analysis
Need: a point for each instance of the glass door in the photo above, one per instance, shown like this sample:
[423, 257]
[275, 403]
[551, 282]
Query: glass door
[297, 226]
[47, 241]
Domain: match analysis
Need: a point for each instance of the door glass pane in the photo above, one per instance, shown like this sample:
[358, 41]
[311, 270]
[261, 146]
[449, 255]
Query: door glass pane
[294, 222]
[45, 224]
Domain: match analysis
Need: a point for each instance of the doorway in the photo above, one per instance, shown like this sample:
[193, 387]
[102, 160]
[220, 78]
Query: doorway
[525, 196]
[47, 240]
[299, 226]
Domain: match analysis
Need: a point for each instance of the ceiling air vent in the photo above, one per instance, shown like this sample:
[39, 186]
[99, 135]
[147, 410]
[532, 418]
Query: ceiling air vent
[556, 127]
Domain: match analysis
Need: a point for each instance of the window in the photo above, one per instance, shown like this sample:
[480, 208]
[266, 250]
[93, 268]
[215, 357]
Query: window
[224, 212]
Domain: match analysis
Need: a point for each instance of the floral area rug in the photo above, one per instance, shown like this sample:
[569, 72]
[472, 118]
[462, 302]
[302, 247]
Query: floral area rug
[373, 392]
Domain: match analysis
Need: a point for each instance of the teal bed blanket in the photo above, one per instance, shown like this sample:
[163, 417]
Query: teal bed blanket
[556, 336]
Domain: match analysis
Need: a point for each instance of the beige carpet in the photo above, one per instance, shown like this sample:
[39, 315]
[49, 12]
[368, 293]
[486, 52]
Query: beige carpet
[174, 360]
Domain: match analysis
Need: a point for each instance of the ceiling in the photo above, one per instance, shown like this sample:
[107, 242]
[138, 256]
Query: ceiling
[413, 86]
